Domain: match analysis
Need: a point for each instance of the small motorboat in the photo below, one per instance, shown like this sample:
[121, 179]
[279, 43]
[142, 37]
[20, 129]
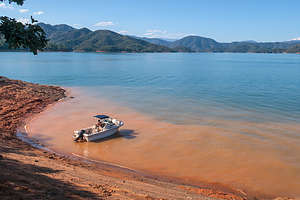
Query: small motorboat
[105, 127]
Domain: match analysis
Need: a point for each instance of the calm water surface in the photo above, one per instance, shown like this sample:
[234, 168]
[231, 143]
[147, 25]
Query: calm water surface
[235, 116]
[254, 87]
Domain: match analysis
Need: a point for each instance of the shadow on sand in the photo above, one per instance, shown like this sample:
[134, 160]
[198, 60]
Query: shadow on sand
[28, 181]
[20, 180]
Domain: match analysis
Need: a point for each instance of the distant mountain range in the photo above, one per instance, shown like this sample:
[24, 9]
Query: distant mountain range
[202, 44]
[66, 38]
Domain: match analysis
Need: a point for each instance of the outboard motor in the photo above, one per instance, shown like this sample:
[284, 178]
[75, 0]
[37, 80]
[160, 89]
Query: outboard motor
[79, 135]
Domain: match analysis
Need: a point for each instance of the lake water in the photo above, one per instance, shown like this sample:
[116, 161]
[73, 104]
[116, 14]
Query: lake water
[228, 118]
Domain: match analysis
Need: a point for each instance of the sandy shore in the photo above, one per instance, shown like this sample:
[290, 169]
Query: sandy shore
[31, 173]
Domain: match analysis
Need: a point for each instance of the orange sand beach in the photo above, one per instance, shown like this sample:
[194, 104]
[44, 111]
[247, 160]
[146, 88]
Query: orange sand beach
[195, 154]
[40, 173]
[33, 173]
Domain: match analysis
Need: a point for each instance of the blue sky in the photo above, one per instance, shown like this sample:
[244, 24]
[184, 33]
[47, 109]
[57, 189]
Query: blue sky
[222, 20]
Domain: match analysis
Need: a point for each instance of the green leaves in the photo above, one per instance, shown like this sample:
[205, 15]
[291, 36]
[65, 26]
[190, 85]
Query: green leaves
[18, 35]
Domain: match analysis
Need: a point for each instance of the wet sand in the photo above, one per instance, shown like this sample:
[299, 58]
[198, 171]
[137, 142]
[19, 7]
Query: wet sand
[31, 173]
[259, 159]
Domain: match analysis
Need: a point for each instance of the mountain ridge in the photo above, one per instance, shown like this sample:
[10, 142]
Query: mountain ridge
[203, 44]
[67, 38]
[63, 37]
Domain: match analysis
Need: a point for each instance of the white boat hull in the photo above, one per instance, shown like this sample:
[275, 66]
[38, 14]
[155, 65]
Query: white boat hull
[100, 135]
[95, 133]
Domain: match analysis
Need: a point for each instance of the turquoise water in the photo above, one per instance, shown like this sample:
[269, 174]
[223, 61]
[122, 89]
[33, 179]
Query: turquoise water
[250, 104]
[176, 87]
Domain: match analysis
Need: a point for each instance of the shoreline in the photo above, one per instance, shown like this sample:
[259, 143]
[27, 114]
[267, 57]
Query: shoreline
[137, 174]
[112, 52]
[114, 183]
[148, 145]
[210, 189]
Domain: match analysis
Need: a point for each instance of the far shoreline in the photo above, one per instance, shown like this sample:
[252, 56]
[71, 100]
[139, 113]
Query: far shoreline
[118, 52]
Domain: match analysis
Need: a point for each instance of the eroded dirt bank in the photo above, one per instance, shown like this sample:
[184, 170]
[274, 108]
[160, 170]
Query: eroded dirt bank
[29, 173]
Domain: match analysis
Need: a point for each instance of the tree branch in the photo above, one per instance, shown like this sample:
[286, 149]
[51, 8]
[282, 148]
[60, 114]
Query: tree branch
[18, 35]
[19, 2]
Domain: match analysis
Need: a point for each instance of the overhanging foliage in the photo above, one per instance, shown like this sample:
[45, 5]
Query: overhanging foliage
[19, 35]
